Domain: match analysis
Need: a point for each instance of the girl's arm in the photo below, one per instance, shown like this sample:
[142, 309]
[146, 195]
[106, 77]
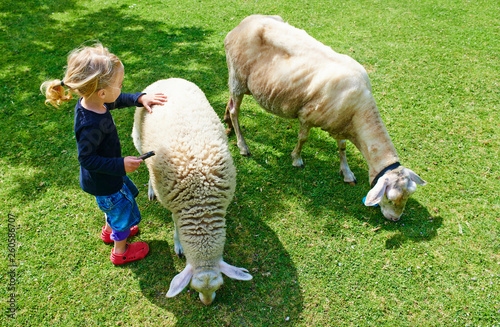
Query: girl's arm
[126, 100]
[137, 99]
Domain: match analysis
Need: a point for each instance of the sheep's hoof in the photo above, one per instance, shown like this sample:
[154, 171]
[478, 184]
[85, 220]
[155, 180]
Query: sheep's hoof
[244, 151]
[298, 163]
[352, 182]
[151, 192]
[179, 251]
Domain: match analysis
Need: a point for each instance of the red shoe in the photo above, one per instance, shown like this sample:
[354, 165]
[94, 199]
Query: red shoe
[106, 236]
[135, 251]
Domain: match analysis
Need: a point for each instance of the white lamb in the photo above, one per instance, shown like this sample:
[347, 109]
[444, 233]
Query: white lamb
[292, 75]
[193, 176]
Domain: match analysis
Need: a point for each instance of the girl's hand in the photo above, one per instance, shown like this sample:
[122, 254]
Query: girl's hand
[148, 100]
[131, 163]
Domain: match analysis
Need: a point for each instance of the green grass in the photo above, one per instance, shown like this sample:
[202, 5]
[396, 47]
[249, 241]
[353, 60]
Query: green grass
[318, 257]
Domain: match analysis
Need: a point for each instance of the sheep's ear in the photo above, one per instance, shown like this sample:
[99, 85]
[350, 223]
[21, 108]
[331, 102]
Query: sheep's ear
[234, 272]
[414, 177]
[180, 281]
[376, 194]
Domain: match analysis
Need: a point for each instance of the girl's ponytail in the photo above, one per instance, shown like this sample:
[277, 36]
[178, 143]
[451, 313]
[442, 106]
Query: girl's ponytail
[55, 93]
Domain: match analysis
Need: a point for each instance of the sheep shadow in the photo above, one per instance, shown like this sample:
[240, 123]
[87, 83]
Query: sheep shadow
[251, 244]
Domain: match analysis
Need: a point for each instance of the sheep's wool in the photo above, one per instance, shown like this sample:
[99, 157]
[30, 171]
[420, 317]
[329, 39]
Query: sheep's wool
[192, 173]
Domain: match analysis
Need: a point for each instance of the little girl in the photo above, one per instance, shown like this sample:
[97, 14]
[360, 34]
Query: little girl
[96, 75]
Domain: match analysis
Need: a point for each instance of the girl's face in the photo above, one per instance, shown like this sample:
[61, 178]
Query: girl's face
[114, 89]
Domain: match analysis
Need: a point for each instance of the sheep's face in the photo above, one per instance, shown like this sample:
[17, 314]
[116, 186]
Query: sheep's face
[206, 282]
[206, 279]
[396, 194]
[393, 190]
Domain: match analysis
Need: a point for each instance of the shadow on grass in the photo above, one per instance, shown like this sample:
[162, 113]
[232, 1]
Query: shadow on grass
[41, 139]
[414, 230]
[273, 297]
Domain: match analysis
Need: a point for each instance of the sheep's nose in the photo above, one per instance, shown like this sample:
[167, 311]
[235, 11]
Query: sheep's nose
[393, 217]
[390, 215]
[208, 298]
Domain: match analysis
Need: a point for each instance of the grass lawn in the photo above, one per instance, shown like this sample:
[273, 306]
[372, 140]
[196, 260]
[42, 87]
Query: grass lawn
[317, 255]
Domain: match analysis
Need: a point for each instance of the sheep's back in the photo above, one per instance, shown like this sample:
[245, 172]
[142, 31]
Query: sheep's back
[289, 73]
[192, 172]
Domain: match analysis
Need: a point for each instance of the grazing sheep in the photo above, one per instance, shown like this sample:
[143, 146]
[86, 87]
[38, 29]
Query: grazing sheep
[193, 176]
[292, 75]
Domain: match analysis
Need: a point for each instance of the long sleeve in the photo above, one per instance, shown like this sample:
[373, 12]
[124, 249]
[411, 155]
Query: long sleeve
[125, 100]
[93, 154]
[99, 150]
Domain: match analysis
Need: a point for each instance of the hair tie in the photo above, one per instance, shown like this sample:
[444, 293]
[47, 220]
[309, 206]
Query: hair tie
[62, 83]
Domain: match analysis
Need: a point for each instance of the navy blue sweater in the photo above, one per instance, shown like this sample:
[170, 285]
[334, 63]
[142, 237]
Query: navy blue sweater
[99, 151]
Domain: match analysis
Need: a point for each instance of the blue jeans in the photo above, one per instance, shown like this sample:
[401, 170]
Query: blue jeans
[121, 209]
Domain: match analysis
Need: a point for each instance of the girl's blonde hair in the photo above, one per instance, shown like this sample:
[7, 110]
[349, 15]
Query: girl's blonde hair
[89, 69]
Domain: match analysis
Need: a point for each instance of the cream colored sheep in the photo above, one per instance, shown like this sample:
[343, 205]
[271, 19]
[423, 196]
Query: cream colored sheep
[193, 176]
[292, 75]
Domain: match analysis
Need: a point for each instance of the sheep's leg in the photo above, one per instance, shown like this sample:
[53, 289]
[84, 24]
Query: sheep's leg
[234, 110]
[303, 136]
[227, 118]
[344, 167]
[177, 243]
[151, 193]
